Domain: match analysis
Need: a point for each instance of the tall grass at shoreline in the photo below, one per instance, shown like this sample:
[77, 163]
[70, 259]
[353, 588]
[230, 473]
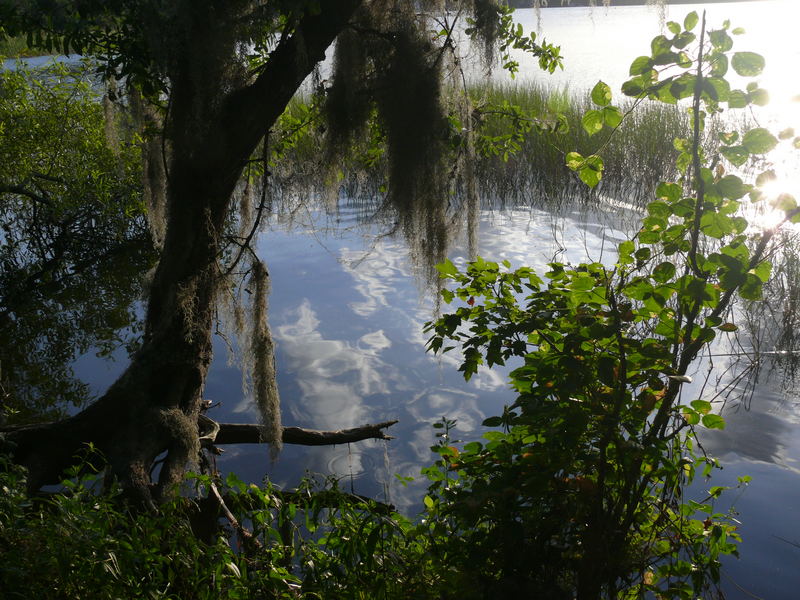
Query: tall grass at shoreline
[17, 47]
[637, 155]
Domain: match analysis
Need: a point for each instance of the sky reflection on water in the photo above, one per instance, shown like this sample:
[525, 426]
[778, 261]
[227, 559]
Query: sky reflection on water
[347, 317]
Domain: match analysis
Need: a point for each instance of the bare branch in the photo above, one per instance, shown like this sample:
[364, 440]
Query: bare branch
[23, 191]
[249, 433]
[245, 433]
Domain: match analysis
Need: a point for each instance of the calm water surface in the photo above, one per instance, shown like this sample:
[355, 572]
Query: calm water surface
[347, 316]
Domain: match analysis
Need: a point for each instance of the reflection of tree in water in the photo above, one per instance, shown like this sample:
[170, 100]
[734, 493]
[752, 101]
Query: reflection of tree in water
[761, 361]
[74, 245]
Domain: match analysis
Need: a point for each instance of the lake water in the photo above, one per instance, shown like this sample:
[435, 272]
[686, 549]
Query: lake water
[347, 316]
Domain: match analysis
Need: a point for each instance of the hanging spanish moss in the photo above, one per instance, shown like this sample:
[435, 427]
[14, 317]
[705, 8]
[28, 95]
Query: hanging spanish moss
[110, 117]
[485, 18]
[347, 101]
[154, 185]
[259, 359]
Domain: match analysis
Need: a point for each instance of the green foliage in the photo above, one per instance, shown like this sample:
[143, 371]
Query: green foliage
[314, 542]
[511, 36]
[74, 241]
[83, 544]
[14, 46]
[581, 489]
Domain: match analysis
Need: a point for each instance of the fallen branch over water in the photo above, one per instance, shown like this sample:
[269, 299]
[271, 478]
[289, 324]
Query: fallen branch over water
[248, 433]
[245, 433]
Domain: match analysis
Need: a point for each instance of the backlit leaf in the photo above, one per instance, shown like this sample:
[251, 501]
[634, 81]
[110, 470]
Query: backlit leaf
[601, 94]
[592, 121]
[747, 64]
[759, 141]
[713, 421]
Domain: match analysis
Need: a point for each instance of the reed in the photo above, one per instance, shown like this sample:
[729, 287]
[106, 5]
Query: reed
[637, 155]
[16, 47]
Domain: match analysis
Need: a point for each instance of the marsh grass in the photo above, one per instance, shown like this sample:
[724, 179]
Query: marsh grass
[16, 47]
[637, 155]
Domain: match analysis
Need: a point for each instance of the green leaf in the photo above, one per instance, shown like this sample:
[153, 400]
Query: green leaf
[659, 209]
[612, 116]
[737, 155]
[738, 99]
[713, 421]
[716, 89]
[763, 270]
[751, 288]
[447, 269]
[715, 225]
[633, 87]
[719, 68]
[493, 422]
[759, 97]
[732, 187]
[748, 64]
[575, 160]
[660, 45]
[601, 94]
[690, 21]
[641, 65]
[683, 40]
[592, 121]
[625, 251]
[671, 192]
[701, 406]
[720, 40]
[759, 141]
[685, 61]
[664, 272]
[785, 202]
[674, 27]
[590, 168]
[590, 177]
[666, 58]
[728, 327]
[766, 177]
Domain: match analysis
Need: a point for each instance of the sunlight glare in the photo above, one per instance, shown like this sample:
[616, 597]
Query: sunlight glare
[766, 214]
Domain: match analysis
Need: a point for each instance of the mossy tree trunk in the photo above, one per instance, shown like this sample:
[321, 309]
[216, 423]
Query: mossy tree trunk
[211, 131]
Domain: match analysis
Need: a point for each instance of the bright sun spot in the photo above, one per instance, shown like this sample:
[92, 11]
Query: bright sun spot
[766, 213]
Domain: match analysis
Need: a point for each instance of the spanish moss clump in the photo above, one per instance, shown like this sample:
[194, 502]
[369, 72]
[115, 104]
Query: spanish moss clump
[417, 131]
[347, 103]
[259, 359]
[486, 26]
[154, 175]
[110, 117]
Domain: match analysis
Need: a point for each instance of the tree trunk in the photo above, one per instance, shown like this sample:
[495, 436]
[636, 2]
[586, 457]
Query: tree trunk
[212, 130]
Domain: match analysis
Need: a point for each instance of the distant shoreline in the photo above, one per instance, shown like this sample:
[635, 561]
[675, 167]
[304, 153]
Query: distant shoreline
[599, 3]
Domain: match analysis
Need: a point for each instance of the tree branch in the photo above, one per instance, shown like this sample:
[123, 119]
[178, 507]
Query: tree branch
[245, 433]
[248, 433]
[251, 111]
[23, 191]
